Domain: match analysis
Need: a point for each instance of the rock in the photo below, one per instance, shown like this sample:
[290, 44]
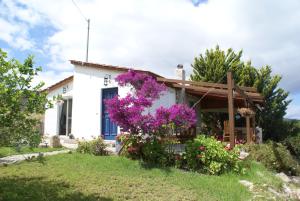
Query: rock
[274, 192]
[243, 155]
[297, 194]
[287, 191]
[248, 184]
[283, 177]
[295, 179]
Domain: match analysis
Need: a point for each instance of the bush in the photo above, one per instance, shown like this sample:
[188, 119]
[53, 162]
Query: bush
[55, 141]
[155, 152]
[96, 147]
[293, 145]
[274, 156]
[151, 151]
[207, 155]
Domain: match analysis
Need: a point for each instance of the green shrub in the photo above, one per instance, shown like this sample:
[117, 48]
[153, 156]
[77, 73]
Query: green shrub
[207, 155]
[96, 147]
[155, 152]
[274, 156]
[55, 141]
[152, 151]
[293, 145]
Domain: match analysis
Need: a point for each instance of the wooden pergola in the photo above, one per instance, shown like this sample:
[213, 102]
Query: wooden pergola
[215, 96]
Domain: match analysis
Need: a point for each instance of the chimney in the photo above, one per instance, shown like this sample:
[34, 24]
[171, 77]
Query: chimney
[180, 72]
[180, 75]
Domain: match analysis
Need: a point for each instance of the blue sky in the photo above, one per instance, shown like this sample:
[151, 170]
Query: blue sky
[154, 35]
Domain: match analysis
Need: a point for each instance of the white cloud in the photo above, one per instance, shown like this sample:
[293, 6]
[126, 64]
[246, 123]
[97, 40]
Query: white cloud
[50, 77]
[293, 111]
[157, 35]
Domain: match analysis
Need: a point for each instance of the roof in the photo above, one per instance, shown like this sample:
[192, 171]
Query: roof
[110, 67]
[59, 84]
[214, 90]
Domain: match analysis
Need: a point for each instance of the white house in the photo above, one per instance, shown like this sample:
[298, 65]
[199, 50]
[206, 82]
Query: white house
[82, 112]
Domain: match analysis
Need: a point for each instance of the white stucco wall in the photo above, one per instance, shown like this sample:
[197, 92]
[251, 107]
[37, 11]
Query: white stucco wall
[51, 115]
[88, 84]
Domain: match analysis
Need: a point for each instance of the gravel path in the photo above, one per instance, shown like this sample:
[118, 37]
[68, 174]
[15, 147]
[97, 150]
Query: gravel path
[17, 158]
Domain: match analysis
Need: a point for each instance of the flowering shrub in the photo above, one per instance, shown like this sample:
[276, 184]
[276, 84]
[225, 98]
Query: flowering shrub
[130, 112]
[207, 155]
[145, 129]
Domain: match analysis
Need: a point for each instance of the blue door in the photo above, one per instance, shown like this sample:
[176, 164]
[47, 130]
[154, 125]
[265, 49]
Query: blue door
[109, 129]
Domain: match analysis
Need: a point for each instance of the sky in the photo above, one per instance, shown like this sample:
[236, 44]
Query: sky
[154, 35]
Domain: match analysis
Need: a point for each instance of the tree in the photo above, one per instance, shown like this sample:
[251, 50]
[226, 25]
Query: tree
[20, 102]
[213, 66]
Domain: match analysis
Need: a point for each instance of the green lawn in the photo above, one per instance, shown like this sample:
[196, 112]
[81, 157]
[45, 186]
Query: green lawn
[7, 151]
[84, 177]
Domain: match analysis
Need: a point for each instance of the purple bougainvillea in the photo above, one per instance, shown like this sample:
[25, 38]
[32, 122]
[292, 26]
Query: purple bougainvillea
[130, 112]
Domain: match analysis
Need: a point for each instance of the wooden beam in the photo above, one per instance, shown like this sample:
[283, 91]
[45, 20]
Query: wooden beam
[248, 130]
[203, 84]
[243, 94]
[218, 92]
[230, 83]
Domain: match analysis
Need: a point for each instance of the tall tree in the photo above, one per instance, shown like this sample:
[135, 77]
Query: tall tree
[20, 102]
[213, 66]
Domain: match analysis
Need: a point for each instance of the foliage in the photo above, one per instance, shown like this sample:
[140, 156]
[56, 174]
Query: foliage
[293, 145]
[207, 155]
[21, 102]
[274, 156]
[154, 152]
[213, 66]
[96, 147]
[55, 141]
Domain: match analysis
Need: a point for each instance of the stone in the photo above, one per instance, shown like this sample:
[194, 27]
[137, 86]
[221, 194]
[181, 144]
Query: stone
[243, 155]
[287, 190]
[274, 192]
[295, 179]
[248, 184]
[283, 177]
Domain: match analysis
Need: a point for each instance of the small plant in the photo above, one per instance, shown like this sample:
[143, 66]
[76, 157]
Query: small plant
[96, 147]
[55, 141]
[207, 155]
[274, 156]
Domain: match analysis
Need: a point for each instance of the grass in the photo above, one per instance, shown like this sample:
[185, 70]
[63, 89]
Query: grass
[88, 178]
[8, 151]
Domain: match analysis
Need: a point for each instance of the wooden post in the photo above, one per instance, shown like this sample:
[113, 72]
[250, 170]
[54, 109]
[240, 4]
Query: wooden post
[249, 138]
[230, 84]
[253, 129]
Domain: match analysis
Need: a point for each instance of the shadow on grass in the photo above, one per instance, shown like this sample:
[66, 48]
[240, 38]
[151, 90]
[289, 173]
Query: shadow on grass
[37, 188]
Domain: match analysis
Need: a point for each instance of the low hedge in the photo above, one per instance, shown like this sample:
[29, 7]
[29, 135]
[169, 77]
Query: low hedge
[96, 147]
[275, 156]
